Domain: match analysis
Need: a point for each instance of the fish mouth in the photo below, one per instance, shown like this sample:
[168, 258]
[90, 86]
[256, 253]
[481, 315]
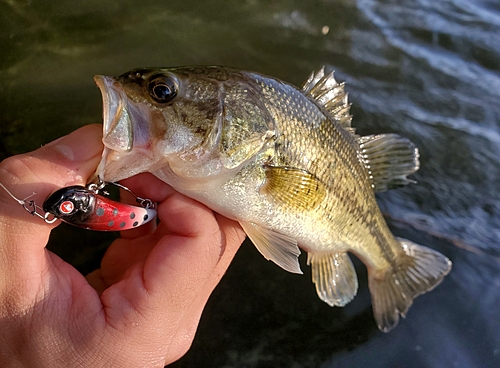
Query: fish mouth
[117, 127]
[125, 128]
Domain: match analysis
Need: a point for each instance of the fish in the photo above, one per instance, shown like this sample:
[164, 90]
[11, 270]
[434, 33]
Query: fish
[284, 162]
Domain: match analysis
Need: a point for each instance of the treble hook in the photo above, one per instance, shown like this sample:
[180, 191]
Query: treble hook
[144, 202]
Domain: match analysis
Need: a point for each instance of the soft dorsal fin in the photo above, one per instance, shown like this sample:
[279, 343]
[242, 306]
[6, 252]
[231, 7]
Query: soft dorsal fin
[389, 158]
[331, 95]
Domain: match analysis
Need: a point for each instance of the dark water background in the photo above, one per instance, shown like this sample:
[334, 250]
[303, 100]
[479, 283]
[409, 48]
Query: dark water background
[428, 70]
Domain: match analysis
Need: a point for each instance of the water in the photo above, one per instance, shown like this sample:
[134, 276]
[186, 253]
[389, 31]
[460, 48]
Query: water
[428, 70]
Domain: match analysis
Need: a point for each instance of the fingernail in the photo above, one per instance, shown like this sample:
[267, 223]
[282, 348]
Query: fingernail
[80, 145]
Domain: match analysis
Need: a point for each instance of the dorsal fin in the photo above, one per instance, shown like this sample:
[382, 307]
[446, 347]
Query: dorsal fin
[389, 159]
[331, 95]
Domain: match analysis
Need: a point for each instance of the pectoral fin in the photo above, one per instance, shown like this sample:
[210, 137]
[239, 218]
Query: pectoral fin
[279, 248]
[334, 276]
[294, 188]
[389, 158]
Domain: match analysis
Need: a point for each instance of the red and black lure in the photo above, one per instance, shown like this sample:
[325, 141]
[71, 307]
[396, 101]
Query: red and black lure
[84, 207]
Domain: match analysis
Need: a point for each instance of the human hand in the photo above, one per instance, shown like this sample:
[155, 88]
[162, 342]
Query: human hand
[141, 309]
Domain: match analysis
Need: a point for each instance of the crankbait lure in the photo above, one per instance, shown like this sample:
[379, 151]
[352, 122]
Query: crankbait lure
[84, 207]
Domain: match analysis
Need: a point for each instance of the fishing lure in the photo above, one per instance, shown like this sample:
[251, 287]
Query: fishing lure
[84, 207]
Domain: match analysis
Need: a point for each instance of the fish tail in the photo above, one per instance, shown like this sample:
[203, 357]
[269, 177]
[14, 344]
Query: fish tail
[421, 270]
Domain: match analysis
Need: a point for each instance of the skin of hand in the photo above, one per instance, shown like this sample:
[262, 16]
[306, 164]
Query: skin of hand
[141, 308]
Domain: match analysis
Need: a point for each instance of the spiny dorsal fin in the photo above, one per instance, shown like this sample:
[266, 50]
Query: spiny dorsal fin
[331, 95]
[389, 159]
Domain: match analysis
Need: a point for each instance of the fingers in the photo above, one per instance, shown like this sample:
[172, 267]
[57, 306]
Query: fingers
[194, 273]
[162, 280]
[190, 239]
[135, 244]
[180, 272]
[182, 219]
[187, 328]
[67, 161]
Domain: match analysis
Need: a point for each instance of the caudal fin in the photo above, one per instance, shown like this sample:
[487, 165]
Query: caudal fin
[421, 271]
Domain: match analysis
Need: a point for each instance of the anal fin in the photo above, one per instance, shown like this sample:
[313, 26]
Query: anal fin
[389, 159]
[279, 248]
[334, 276]
[421, 271]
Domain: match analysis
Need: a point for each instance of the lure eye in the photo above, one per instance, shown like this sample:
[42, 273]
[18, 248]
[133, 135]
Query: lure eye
[162, 88]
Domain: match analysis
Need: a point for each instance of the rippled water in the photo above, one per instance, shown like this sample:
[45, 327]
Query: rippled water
[428, 70]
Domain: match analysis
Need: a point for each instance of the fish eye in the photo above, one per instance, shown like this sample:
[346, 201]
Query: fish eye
[162, 88]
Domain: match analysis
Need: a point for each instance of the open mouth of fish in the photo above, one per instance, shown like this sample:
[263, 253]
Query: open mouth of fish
[125, 126]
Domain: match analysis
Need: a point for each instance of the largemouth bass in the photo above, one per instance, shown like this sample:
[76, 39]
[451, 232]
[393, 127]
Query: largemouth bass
[282, 161]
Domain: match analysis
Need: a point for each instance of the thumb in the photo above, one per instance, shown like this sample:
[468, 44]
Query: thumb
[70, 160]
